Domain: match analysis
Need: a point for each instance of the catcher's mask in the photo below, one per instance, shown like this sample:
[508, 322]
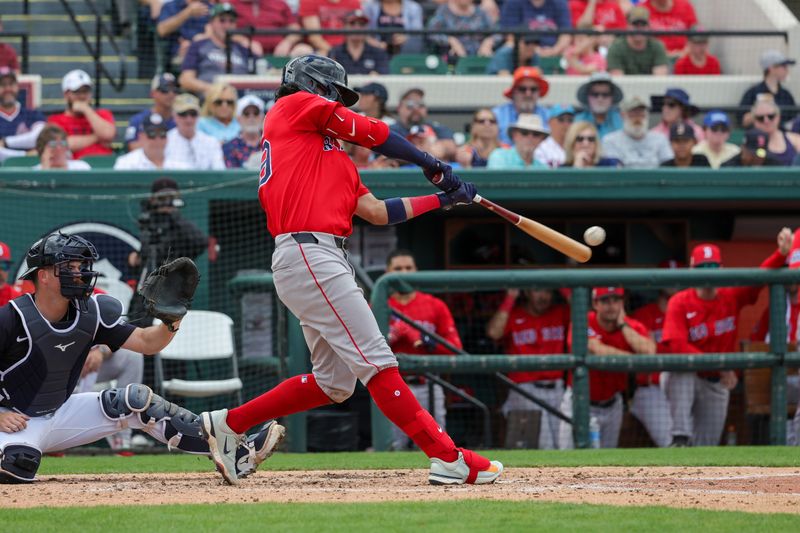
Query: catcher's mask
[59, 250]
[320, 75]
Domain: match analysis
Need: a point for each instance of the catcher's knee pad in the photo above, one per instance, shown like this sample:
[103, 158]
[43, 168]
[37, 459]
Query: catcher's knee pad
[151, 409]
[19, 463]
[121, 402]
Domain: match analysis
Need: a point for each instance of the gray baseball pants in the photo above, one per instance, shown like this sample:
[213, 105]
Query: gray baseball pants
[698, 407]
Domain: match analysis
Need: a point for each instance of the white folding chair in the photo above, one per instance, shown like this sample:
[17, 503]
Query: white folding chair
[203, 336]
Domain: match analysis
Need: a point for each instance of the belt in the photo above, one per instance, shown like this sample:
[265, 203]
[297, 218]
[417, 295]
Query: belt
[544, 384]
[604, 403]
[310, 238]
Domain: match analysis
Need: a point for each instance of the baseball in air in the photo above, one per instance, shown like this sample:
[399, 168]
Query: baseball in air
[594, 236]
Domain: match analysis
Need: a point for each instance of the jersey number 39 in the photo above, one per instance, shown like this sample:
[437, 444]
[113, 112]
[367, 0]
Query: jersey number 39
[266, 164]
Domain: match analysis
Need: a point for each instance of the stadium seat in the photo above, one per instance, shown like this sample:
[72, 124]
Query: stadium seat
[21, 161]
[417, 64]
[277, 62]
[472, 65]
[737, 136]
[100, 161]
[551, 65]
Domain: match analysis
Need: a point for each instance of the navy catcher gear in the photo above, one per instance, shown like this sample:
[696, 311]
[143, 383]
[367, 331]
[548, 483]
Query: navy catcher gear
[320, 75]
[19, 463]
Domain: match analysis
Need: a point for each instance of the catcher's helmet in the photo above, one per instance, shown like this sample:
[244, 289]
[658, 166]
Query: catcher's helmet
[320, 75]
[58, 249]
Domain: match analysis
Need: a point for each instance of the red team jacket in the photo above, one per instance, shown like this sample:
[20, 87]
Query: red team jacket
[431, 313]
[761, 331]
[526, 334]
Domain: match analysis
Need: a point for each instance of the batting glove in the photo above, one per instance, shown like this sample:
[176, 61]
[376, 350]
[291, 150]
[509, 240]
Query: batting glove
[441, 174]
[463, 195]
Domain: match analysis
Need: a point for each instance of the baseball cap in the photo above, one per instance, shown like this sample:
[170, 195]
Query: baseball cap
[772, 57]
[528, 73]
[153, 122]
[375, 88]
[634, 102]
[793, 260]
[186, 102]
[5, 252]
[715, 117]
[75, 79]
[558, 110]
[164, 82]
[704, 254]
[223, 9]
[681, 130]
[602, 292]
[420, 130]
[164, 184]
[249, 100]
[356, 15]
[756, 141]
[638, 14]
[7, 72]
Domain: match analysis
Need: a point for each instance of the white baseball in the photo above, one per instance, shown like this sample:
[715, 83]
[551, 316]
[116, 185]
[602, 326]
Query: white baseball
[594, 236]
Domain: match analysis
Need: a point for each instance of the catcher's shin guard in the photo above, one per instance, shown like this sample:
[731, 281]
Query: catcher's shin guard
[19, 463]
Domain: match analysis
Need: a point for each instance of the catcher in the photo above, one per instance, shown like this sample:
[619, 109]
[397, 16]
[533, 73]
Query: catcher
[44, 341]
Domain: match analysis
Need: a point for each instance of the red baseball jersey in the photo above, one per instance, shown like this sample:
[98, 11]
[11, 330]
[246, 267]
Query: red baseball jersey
[681, 16]
[685, 67]
[307, 181]
[607, 14]
[761, 330]
[526, 334]
[80, 126]
[432, 314]
[652, 317]
[603, 384]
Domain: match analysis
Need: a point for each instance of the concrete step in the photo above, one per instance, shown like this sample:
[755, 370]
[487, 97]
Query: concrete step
[49, 7]
[56, 66]
[51, 24]
[64, 45]
[134, 88]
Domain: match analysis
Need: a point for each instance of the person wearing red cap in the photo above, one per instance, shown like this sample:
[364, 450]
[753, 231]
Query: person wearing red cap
[536, 326]
[7, 291]
[526, 88]
[611, 332]
[705, 320]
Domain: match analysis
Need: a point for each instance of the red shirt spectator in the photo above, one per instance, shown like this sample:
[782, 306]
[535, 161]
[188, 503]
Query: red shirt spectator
[328, 15]
[8, 55]
[697, 61]
[607, 13]
[672, 15]
[266, 15]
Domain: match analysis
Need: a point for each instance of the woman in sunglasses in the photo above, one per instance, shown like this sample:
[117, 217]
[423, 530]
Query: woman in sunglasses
[483, 139]
[54, 154]
[217, 115]
[782, 146]
[582, 145]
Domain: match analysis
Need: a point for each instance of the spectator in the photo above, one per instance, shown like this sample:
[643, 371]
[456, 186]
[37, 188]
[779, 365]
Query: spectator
[163, 90]
[638, 53]
[403, 14]
[152, 143]
[432, 315]
[244, 151]
[526, 134]
[462, 15]
[538, 15]
[179, 21]
[206, 57]
[753, 152]
[583, 55]
[355, 54]
[372, 102]
[607, 14]
[483, 140]
[187, 145]
[217, 114]
[412, 111]
[19, 126]
[683, 141]
[705, 320]
[89, 131]
[8, 291]
[715, 146]
[600, 97]
[325, 15]
[537, 326]
[8, 55]
[269, 15]
[53, 149]
[504, 62]
[674, 15]
[582, 146]
[551, 151]
[676, 108]
[634, 146]
[775, 66]
[527, 87]
[697, 60]
[782, 146]
[611, 332]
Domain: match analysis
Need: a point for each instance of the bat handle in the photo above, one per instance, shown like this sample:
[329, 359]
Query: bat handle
[477, 199]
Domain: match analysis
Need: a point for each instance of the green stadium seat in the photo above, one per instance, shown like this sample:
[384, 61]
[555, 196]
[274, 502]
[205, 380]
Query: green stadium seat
[417, 64]
[737, 136]
[551, 65]
[101, 161]
[277, 62]
[22, 161]
[472, 65]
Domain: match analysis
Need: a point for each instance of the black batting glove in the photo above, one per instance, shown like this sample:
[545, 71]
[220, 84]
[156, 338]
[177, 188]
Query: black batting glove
[463, 195]
[440, 174]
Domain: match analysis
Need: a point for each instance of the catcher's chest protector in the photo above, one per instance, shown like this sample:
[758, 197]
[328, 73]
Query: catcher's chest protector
[42, 381]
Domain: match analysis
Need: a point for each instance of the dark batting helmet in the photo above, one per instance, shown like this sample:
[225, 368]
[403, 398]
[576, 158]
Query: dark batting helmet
[320, 75]
[57, 249]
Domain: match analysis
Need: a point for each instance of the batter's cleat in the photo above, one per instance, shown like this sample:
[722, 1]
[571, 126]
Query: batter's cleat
[223, 443]
[258, 448]
[679, 441]
[469, 468]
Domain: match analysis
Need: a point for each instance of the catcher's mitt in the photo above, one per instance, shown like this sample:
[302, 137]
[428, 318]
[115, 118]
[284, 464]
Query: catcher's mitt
[168, 291]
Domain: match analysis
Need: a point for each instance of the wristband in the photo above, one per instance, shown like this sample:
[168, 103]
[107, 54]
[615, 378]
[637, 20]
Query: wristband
[508, 304]
[396, 210]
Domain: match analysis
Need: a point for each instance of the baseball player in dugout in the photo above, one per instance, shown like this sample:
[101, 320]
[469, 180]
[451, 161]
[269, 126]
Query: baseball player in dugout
[705, 320]
[611, 332]
[432, 314]
[44, 341]
[535, 326]
[310, 190]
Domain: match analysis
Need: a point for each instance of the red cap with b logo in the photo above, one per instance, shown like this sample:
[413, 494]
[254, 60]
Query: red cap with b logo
[705, 253]
[602, 292]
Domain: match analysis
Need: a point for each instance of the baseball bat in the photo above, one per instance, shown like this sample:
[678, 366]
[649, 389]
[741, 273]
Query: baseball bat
[569, 247]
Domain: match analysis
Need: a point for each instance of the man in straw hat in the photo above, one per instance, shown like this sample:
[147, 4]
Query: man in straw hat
[527, 133]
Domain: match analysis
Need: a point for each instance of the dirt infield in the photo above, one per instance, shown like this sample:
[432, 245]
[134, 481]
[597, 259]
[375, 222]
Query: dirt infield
[762, 490]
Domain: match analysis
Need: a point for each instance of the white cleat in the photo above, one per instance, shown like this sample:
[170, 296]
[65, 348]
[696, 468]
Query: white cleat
[222, 443]
[460, 471]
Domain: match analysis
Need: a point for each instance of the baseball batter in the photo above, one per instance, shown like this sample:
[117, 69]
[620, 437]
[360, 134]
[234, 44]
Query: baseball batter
[44, 341]
[535, 327]
[310, 190]
[611, 332]
[705, 320]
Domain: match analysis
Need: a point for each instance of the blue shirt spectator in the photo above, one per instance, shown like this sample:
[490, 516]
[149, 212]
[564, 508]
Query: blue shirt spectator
[19, 126]
[191, 18]
[355, 54]
[163, 90]
[527, 87]
[538, 15]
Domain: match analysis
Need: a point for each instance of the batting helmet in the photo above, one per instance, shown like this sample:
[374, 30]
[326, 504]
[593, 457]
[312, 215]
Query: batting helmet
[59, 248]
[320, 75]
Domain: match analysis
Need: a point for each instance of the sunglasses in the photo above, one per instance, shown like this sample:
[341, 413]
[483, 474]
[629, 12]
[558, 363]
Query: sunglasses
[523, 89]
[57, 143]
[526, 133]
[227, 20]
[485, 121]
[708, 265]
[767, 117]
[587, 138]
[254, 113]
[671, 103]
[415, 104]
[191, 113]
[157, 134]
[719, 128]
[220, 101]
[600, 95]
[566, 119]
[168, 90]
